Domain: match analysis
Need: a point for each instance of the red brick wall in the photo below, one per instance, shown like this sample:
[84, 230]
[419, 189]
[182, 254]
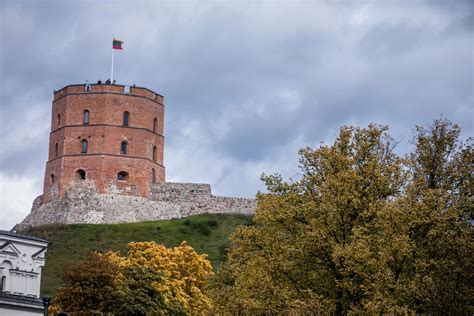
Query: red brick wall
[104, 133]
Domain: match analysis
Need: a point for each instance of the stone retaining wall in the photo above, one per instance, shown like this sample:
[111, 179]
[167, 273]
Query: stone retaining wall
[84, 204]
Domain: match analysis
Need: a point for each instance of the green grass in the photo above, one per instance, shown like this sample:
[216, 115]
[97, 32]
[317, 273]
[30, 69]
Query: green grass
[205, 233]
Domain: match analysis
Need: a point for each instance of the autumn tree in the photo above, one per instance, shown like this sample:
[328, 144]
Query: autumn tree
[151, 279]
[440, 203]
[88, 285]
[183, 272]
[360, 231]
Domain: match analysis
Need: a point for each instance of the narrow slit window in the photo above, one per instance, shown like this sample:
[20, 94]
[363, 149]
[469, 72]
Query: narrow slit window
[56, 149]
[59, 120]
[154, 153]
[124, 148]
[126, 118]
[154, 125]
[52, 178]
[83, 146]
[122, 176]
[86, 117]
[153, 175]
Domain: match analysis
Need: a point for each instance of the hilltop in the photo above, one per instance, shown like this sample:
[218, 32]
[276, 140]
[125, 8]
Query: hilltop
[208, 233]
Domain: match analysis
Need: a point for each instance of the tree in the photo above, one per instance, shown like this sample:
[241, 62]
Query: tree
[88, 285]
[138, 294]
[151, 279]
[183, 272]
[358, 232]
[440, 198]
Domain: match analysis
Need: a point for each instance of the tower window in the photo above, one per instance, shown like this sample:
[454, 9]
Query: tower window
[153, 175]
[126, 118]
[122, 176]
[124, 147]
[83, 146]
[154, 153]
[154, 125]
[80, 174]
[86, 117]
[52, 178]
[59, 120]
[56, 150]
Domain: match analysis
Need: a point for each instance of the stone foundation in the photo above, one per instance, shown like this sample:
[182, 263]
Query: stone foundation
[83, 204]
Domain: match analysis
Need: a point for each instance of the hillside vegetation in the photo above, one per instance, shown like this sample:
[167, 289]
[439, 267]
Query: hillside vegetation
[205, 233]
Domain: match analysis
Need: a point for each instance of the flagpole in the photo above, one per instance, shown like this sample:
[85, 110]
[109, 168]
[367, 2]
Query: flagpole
[112, 68]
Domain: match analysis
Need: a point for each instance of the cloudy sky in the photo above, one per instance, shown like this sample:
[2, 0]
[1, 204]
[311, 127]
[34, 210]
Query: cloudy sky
[246, 83]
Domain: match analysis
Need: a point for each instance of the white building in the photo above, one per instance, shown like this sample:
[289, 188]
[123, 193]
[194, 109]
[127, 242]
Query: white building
[21, 259]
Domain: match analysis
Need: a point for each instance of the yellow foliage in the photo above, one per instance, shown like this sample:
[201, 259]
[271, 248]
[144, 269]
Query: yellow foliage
[183, 271]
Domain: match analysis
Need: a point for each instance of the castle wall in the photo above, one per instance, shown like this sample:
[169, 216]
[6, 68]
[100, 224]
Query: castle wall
[83, 203]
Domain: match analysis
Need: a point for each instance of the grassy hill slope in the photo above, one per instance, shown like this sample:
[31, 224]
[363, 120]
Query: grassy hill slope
[205, 233]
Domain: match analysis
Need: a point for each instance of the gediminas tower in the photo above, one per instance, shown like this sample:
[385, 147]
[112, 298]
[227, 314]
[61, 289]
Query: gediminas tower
[110, 134]
[105, 163]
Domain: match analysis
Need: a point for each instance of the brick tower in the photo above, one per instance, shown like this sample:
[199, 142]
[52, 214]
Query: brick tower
[111, 135]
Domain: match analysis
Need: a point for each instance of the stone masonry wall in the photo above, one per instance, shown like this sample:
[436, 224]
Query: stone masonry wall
[83, 203]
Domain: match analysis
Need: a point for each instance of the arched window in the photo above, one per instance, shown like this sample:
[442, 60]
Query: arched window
[153, 175]
[122, 176]
[56, 150]
[83, 146]
[154, 153]
[52, 178]
[59, 120]
[80, 174]
[124, 147]
[154, 125]
[126, 118]
[86, 117]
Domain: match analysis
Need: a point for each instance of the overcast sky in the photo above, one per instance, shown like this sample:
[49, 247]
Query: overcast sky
[245, 83]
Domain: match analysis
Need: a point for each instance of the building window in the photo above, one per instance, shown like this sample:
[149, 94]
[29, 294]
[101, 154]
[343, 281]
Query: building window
[124, 148]
[126, 118]
[83, 146]
[153, 175]
[56, 149]
[154, 153]
[154, 125]
[52, 178]
[86, 117]
[81, 174]
[122, 176]
[59, 120]
[3, 283]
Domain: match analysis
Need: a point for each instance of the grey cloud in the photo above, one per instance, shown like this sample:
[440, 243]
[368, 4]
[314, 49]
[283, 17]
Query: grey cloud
[228, 66]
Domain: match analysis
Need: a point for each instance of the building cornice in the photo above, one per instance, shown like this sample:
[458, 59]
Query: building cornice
[109, 92]
[105, 154]
[106, 125]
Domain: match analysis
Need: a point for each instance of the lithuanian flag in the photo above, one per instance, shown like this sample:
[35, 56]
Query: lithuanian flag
[117, 44]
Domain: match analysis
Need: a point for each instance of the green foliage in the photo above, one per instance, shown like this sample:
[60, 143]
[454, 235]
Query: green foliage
[362, 231]
[72, 243]
[136, 295]
[89, 284]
